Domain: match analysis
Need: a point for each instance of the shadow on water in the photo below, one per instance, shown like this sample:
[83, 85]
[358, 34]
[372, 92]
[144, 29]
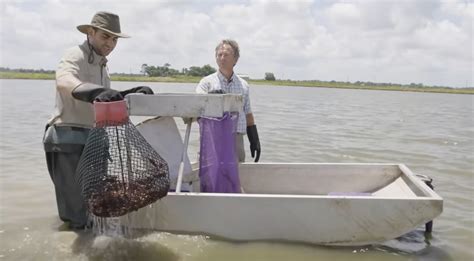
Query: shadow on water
[417, 244]
[132, 247]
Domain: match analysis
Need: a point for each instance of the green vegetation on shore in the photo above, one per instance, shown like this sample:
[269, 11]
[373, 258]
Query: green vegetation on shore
[375, 86]
[195, 79]
[29, 76]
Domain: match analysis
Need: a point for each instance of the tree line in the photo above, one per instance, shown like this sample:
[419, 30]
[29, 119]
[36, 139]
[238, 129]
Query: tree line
[146, 70]
[166, 70]
[6, 69]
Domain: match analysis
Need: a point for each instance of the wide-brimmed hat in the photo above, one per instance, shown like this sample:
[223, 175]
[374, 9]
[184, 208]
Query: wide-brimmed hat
[106, 21]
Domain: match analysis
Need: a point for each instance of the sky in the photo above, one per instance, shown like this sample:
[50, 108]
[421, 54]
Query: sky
[396, 41]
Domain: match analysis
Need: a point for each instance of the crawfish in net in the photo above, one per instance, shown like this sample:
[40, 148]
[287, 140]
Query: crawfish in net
[119, 171]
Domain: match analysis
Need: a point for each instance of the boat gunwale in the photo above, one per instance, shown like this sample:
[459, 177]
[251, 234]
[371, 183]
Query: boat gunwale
[299, 196]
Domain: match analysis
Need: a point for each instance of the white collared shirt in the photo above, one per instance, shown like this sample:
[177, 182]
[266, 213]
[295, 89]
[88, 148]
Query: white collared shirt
[235, 84]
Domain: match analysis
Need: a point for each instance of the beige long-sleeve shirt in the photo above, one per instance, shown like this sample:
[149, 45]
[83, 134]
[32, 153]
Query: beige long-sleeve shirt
[73, 70]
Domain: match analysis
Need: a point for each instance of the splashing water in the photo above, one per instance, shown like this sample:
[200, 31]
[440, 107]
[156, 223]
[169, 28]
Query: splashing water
[111, 226]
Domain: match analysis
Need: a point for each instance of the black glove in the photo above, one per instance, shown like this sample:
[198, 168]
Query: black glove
[139, 89]
[90, 92]
[109, 95]
[252, 134]
[216, 92]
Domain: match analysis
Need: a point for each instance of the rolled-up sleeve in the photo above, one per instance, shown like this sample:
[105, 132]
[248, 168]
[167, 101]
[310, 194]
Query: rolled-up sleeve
[203, 86]
[67, 74]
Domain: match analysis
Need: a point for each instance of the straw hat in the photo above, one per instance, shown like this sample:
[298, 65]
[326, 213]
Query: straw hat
[105, 21]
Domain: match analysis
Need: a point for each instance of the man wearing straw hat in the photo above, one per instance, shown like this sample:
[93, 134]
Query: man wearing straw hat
[81, 79]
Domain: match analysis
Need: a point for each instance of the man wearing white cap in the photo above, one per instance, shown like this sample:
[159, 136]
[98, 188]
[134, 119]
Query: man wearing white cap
[81, 79]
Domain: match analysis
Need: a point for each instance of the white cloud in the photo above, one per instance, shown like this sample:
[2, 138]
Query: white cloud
[387, 41]
[344, 14]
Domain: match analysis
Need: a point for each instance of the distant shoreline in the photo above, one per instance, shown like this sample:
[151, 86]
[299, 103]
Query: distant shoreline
[190, 79]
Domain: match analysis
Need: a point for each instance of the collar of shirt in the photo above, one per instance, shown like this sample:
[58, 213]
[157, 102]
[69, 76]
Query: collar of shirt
[98, 59]
[222, 78]
[103, 61]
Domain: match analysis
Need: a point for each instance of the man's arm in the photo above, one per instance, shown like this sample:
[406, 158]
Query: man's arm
[252, 135]
[203, 86]
[139, 89]
[84, 91]
[250, 119]
[90, 92]
[67, 74]
[67, 81]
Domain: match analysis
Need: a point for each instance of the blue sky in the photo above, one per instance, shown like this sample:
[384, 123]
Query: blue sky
[399, 41]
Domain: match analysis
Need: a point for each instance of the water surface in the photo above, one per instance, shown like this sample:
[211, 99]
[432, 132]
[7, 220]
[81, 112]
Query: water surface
[433, 134]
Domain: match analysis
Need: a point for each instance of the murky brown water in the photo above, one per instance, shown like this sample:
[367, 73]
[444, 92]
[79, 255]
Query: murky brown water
[432, 134]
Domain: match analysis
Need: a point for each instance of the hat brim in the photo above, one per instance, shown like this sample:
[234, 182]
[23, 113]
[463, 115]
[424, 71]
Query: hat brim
[84, 27]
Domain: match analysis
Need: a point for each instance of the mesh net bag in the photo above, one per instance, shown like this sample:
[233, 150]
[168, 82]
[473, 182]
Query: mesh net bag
[119, 172]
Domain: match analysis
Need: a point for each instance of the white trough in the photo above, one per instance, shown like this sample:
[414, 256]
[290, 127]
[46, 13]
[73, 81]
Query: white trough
[317, 203]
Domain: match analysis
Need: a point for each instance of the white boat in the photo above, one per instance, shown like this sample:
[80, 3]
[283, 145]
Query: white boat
[317, 203]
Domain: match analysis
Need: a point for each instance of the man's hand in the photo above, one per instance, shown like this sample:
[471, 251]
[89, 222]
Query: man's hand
[90, 92]
[252, 134]
[139, 89]
[109, 95]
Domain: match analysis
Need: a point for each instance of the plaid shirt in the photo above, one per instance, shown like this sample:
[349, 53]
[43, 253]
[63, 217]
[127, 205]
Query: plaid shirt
[235, 84]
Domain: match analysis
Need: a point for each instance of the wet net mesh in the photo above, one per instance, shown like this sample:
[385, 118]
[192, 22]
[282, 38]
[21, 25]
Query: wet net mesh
[119, 171]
